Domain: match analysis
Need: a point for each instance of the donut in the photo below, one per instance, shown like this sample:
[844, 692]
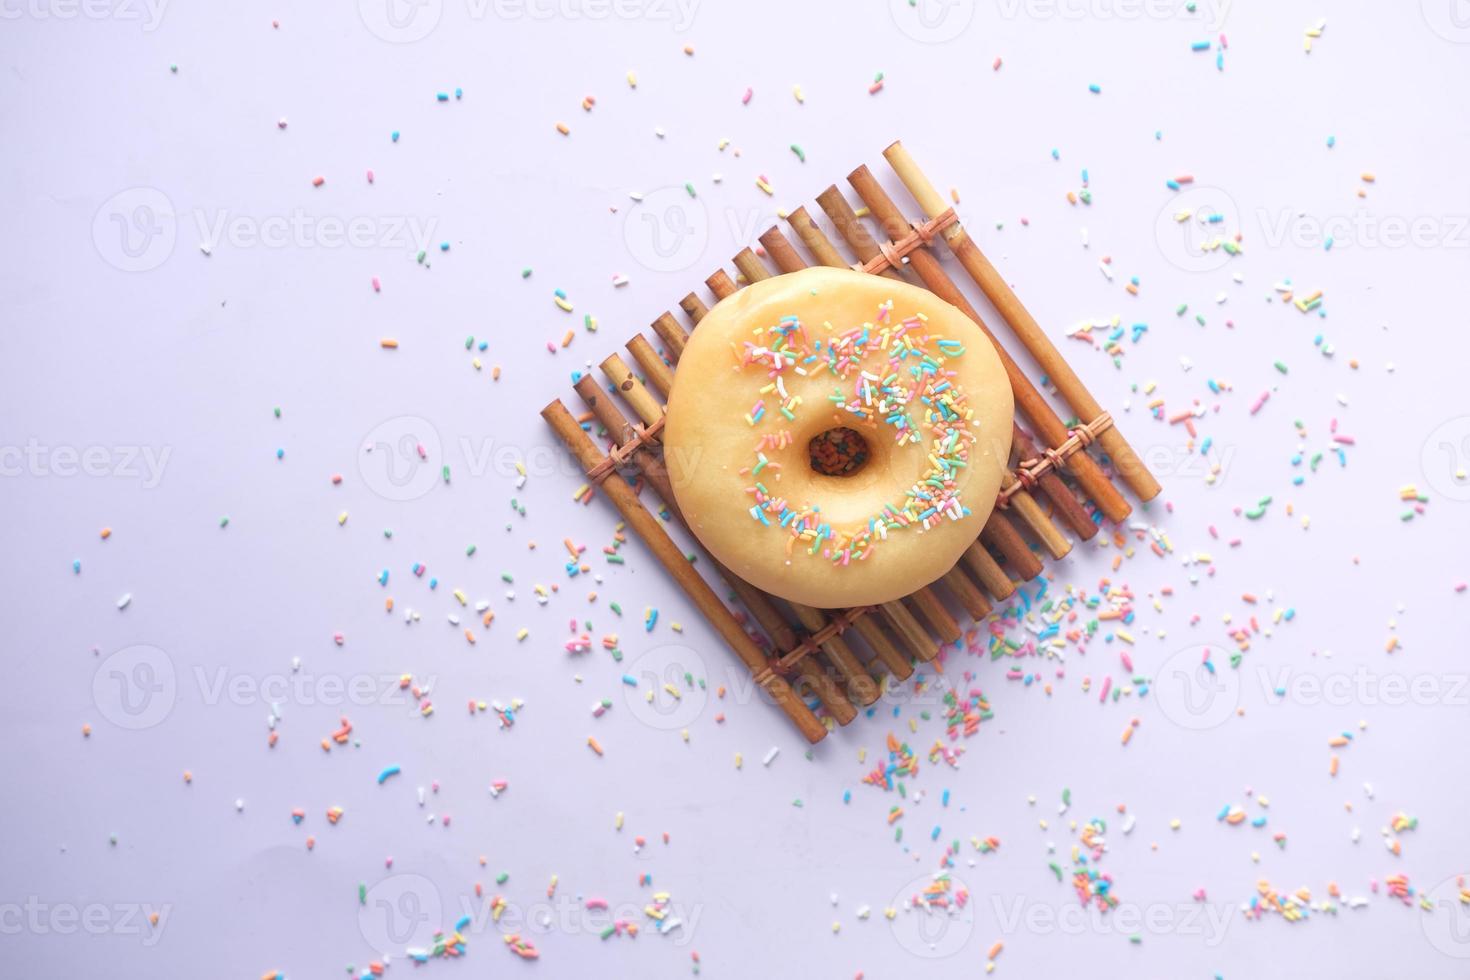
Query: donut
[837, 438]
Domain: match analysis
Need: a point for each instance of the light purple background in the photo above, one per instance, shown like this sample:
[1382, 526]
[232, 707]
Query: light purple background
[172, 352]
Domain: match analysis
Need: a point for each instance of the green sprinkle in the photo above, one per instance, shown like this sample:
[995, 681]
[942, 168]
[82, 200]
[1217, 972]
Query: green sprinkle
[690, 188]
[445, 472]
[278, 412]
[1055, 870]
[1281, 366]
[361, 893]
[469, 551]
[800, 155]
[526, 272]
[502, 878]
[617, 609]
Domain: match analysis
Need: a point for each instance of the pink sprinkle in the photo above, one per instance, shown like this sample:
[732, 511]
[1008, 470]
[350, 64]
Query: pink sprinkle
[339, 639]
[745, 99]
[597, 903]
[1107, 685]
[377, 285]
[1127, 661]
[995, 66]
[370, 175]
[318, 181]
[1345, 440]
[1461, 586]
[1256, 406]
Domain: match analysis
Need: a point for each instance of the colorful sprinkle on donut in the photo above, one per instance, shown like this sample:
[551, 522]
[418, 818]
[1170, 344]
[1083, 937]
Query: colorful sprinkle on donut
[893, 377]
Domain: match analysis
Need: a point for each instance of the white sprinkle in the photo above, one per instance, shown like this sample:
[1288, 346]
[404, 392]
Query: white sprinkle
[771, 756]
[125, 601]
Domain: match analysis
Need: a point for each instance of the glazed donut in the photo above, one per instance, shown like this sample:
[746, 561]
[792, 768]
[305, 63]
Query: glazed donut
[837, 438]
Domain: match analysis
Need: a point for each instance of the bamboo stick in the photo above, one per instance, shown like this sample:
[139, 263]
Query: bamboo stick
[1025, 505]
[1004, 299]
[660, 376]
[671, 334]
[967, 593]
[781, 251]
[937, 616]
[750, 267]
[852, 230]
[988, 571]
[912, 631]
[859, 684]
[721, 284]
[696, 588]
[1029, 401]
[1056, 490]
[623, 379]
[1009, 543]
[867, 627]
[815, 240]
[694, 307]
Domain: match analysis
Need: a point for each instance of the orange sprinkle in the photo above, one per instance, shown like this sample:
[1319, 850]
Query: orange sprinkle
[388, 343]
[592, 744]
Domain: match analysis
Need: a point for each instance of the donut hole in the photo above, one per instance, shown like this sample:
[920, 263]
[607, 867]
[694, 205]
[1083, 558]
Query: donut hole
[838, 452]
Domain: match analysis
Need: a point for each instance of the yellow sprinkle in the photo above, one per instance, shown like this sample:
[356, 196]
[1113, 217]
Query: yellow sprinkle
[522, 633]
[342, 518]
[632, 80]
[564, 304]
